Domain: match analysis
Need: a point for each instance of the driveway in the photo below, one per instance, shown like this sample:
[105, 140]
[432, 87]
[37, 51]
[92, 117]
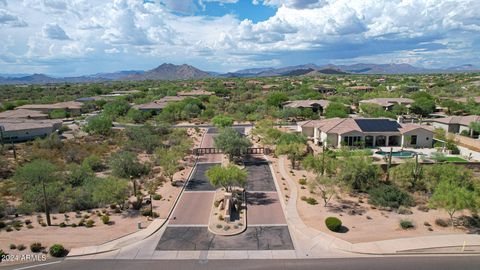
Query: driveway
[199, 238]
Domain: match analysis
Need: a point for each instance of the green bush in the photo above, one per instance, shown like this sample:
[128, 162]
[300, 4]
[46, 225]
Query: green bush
[13, 246]
[390, 196]
[302, 181]
[21, 247]
[311, 201]
[93, 162]
[89, 223]
[36, 247]
[406, 224]
[105, 219]
[333, 224]
[156, 197]
[58, 251]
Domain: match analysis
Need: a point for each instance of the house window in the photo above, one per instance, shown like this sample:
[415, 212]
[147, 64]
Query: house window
[413, 140]
[352, 140]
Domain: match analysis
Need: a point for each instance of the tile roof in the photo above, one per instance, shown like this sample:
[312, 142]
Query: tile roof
[22, 113]
[199, 92]
[385, 102]
[458, 120]
[59, 105]
[306, 103]
[14, 124]
[345, 125]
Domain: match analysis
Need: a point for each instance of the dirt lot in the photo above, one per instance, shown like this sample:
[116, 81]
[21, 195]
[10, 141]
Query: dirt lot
[364, 223]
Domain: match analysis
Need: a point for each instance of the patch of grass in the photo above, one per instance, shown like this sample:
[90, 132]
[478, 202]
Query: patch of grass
[455, 159]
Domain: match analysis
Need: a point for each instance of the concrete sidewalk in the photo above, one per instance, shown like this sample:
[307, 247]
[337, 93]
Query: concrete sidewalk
[314, 242]
[120, 242]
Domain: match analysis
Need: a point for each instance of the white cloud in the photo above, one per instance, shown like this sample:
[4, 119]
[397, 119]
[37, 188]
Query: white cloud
[125, 33]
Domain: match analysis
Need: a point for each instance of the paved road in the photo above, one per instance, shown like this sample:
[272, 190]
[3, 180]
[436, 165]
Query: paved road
[372, 263]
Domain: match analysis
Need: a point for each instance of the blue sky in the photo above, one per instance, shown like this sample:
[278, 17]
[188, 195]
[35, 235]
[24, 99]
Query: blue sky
[76, 37]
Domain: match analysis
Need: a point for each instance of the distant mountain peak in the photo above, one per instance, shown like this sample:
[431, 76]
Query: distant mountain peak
[169, 71]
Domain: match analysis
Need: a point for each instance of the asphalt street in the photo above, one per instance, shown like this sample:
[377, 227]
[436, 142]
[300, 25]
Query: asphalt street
[370, 263]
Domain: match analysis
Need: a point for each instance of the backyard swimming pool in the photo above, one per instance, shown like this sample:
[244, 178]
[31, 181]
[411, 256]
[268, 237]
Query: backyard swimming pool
[398, 154]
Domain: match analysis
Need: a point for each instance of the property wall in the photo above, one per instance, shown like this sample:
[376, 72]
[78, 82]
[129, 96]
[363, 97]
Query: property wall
[449, 128]
[424, 138]
[307, 131]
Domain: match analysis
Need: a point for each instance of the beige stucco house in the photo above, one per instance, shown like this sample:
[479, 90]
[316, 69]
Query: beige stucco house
[18, 130]
[366, 132]
[455, 124]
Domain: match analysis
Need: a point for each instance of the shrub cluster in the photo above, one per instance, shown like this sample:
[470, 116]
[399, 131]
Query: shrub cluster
[58, 250]
[333, 224]
[390, 196]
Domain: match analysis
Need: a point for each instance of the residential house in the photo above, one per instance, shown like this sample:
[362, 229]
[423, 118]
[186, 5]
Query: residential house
[364, 88]
[325, 89]
[388, 103]
[455, 124]
[194, 93]
[72, 107]
[366, 132]
[23, 113]
[315, 105]
[158, 105]
[19, 130]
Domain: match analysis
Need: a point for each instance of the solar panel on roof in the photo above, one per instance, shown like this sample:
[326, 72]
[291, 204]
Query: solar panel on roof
[377, 125]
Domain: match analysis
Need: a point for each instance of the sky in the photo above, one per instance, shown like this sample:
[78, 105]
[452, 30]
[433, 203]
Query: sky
[78, 37]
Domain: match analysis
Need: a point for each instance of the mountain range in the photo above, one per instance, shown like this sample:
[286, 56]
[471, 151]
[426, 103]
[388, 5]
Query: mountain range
[183, 72]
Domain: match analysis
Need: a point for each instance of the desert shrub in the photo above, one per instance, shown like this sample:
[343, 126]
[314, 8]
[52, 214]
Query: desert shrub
[36, 247]
[302, 181]
[8, 229]
[13, 246]
[89, 223]
[21, 247]
[28, 221]
[157, 197]
[216, 203]
[406, 224]
[105, 219]
[441, 222]
[62, 225]
[93, 162]
[402, 210]
[390, 196]
[423, 208]
[220, 217]
[333, 224]
[311, 201]
[58, 250]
